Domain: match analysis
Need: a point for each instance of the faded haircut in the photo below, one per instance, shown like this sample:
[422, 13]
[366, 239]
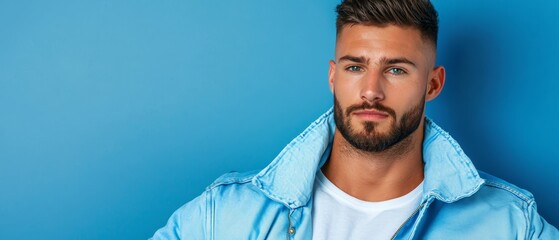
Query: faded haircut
[418, 14]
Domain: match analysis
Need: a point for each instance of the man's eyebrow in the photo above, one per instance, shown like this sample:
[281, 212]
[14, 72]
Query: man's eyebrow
[384, 60]
[360, 59]
[390, 61]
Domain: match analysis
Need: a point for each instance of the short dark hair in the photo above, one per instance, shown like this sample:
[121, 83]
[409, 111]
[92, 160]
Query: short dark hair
[419, 14]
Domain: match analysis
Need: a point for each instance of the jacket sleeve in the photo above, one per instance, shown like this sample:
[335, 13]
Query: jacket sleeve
[538, 228]
[188, 222]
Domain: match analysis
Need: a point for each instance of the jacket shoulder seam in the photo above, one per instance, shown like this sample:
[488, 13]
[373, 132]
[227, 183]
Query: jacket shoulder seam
[527, 199]
[230, 178]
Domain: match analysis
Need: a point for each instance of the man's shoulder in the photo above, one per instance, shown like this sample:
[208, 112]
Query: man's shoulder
[233, 178]
[496, 198]
[508, 212]
[503, 190]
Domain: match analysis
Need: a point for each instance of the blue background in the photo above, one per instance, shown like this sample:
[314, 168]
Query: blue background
[115, 113]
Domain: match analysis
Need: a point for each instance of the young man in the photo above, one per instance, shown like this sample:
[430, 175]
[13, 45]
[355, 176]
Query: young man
[373, 167]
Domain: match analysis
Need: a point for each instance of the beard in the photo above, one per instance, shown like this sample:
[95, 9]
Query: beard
[370, 139]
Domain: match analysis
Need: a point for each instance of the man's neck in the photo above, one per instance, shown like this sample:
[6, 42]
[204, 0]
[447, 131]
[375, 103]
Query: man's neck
[376, 176]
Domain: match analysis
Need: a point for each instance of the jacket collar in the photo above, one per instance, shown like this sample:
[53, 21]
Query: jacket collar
[289, 178]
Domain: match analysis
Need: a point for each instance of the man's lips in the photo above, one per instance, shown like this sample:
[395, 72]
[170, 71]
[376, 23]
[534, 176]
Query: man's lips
[370, 114]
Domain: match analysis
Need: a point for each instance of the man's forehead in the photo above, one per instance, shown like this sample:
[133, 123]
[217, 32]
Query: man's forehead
[363, 28]
[359, 33]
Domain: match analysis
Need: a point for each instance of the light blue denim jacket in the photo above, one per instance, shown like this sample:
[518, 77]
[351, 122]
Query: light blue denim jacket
[459, 202]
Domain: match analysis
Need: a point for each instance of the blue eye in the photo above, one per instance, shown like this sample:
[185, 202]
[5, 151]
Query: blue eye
[354, 69]
[396, 71]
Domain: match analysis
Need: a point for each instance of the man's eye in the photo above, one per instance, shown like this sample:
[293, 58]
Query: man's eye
[396, 71]
[354, 69]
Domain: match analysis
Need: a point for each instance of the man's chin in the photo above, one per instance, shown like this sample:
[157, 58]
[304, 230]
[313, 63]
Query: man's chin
[371, 127]
[370, 133]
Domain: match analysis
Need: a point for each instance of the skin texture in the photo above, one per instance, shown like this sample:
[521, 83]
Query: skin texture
[379, 75]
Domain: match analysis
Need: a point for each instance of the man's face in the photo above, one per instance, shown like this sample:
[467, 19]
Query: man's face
[381, 78]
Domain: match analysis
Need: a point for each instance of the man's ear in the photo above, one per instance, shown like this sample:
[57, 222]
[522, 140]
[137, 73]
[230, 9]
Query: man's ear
[435, 83]
[331, 73]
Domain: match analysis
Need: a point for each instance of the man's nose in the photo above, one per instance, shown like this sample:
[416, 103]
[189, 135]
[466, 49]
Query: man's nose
[372, 87]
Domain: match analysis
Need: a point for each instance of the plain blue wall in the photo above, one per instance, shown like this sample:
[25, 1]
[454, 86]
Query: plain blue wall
[115, 113]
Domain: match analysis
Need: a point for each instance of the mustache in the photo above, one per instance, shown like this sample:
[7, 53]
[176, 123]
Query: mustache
[370, 106]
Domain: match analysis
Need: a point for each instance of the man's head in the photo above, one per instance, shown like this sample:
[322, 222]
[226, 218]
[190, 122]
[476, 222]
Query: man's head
[384, 70]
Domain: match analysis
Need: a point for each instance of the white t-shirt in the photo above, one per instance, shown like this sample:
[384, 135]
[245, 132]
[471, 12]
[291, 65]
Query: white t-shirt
[337, 215]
